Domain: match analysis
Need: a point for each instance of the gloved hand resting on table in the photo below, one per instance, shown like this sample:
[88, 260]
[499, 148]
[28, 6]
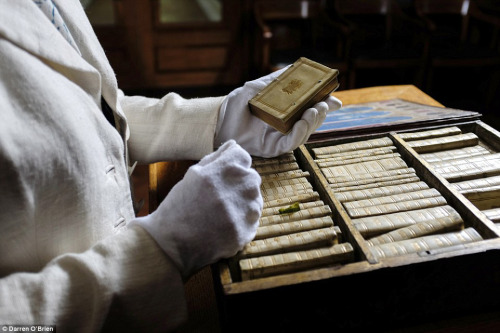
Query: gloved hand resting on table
[255, 136]
[211, 213]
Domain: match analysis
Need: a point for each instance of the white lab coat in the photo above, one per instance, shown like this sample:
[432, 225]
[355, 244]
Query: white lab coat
[66, 255]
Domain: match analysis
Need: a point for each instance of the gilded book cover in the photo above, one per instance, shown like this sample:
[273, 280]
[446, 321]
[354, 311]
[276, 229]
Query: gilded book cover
[284, 100]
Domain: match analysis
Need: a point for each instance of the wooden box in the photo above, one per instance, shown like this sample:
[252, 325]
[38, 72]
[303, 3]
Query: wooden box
[283, 101]
[370, 291]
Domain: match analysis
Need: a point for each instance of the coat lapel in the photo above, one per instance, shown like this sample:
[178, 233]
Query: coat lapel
[23, 24]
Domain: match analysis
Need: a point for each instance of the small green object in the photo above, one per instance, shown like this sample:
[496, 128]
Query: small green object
[290, 209]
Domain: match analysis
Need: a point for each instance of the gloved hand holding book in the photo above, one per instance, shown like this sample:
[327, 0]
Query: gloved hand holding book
[255, 136]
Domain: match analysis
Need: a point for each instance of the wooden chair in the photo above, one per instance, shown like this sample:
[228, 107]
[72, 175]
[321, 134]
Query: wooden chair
[289, 29]
[462, 38]
[380, 36]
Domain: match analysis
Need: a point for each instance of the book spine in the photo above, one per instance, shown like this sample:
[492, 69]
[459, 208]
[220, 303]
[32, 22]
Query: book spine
[470, 171]
[302, 206]
[476, 184]
[376, 225]
[431, 134]
[493, 214]
[293, 227]
[284, 175]
[450, 142]
[348, 155]
[441, 225]
[283, 182]
[295, 261]
[466, 160]
[377, 177]
[453, 154]
[277, 196]
[350, 172]
[380, 191]
[292, 242]
[396, 207]
[394, 198]
[280, 202]
[276, 168]
[353, 146]
[296, 216]
[287, 189]
[282, 159]
[426, 243]
[371, 184]
[326, 164]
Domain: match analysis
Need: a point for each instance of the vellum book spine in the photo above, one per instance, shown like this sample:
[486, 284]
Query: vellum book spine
[396, 207]
[277, 196]
[493, 214]
[440, 225]
[376, 225]
[283, 182]
[284, 158]
[292, 242]
[376, 177]
[355, 154]
[362, 170]
[473, 170]
[331, 163]
[287, 189]
[294, 261]
[426, 243]
[302, 206]
[467, 160]
[393, 198]
[276, 168]
[476, 184]
[449, 142]
[296, 216]
[380, 191]
[431, 134]
[453, 154]
[379, 182]
[284, 175]
[306, 197]
[293, 227]
[352, 146]
[282, 102]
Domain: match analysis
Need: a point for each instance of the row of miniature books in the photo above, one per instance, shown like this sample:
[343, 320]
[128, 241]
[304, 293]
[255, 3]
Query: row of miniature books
[296, 230]
[393, 209]
[471, 167]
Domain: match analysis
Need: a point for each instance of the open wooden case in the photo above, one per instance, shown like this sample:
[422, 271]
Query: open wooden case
[369, 290]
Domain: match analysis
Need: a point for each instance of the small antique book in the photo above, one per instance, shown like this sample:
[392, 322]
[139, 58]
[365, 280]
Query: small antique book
[284, 100]
[292, 227]
[426, 243]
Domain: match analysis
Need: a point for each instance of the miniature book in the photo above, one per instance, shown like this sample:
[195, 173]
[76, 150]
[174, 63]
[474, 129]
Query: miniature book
[430, 227]
[295, 261]
[426, 243]
[284, 100]
[287, 228]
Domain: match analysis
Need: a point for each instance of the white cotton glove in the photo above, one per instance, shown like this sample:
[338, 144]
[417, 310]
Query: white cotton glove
[259, 139]
[211, 213]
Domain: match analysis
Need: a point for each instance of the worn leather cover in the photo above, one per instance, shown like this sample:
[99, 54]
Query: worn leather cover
[283, 101]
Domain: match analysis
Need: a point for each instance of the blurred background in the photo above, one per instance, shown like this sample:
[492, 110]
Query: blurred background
[448, 48]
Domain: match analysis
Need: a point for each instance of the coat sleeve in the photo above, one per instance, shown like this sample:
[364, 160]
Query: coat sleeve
[170, 128]
[89, 292]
